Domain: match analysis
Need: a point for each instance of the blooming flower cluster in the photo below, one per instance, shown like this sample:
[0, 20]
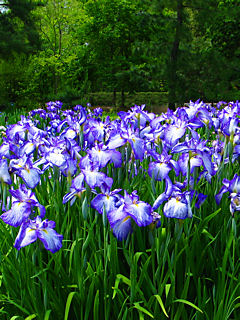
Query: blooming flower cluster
[177, 150]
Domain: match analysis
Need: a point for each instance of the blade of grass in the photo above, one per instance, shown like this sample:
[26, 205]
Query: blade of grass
[188, 303]
[68, 304]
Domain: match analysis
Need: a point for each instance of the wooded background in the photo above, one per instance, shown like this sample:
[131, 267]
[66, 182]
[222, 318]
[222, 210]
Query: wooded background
[74, 50]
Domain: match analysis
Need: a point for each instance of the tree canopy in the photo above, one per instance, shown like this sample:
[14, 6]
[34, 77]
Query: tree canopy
[62, 49]
[18, 33]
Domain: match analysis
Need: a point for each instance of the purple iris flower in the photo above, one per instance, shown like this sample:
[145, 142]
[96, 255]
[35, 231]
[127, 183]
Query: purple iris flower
[25, 168]
[131, 136]
[71, 149]
[76, 190]
[129, 208]
[23, 130]
[194, 159]
[235, 203]
[138, 210]
[158, 122]
[78, 107]
[17, 131]
[200, 198]
[32, 230]
[101, 155]
[194, 108]
[163, 165]
[54, 106]
[81, 115]
[96, 130]
[137, 144]
[199, 114]
[228, 118]
[231, 126]
[93, 177]
[4, 173]
[71, 127]
[116, 141]
[233, 187]
[28, 148]
[136, 116]
[23, 202]
[40, 112]
[198, 151]
[8, 150]
[178, 202]
[169, 188]
[55, 157]
[174, 132]
[175, 192]
[69, 168]
[178, 206]
[97, 112]
[54, 151]
[106, 201]
[153, 135]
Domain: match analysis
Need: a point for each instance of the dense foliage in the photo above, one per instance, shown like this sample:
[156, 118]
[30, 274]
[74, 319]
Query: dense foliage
[58, 49]
[138, 215]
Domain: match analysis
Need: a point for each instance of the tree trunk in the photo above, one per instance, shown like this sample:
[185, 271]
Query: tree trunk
[114, 98]
[122, 99]
[172, 74]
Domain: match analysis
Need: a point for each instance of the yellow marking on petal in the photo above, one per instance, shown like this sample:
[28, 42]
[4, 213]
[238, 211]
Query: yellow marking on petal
[30, 230]
[236, 201]
[126, 218]
[79, 194]
[44, 230]
[160, 164]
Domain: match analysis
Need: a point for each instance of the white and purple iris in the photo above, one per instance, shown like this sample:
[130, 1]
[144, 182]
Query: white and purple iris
[233, 188]
[92, 152]
[128, 209]
[31, 230]
[22, 214]
[24, 202]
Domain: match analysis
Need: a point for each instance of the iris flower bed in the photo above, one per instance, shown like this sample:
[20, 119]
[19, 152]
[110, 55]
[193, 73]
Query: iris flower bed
[131, 218]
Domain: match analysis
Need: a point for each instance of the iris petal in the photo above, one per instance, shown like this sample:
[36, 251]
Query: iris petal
[175, 209]
[19, 212]
[122, 228]
[26, 236]
[51, 239]
[30, 176]
[141, 213]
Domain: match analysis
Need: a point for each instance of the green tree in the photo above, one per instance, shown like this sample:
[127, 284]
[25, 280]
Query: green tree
[18, 33]
[56, 64]
[111, 30]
